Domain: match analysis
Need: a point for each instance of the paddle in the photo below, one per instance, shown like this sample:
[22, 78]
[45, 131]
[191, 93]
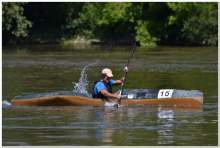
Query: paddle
[126, 72]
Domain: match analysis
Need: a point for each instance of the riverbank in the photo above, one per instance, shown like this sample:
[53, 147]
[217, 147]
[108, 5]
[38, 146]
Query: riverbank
[82, 42]
[64, 41]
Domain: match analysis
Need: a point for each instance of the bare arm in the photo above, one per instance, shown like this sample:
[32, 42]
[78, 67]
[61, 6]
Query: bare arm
[118, 81]
[107, 94]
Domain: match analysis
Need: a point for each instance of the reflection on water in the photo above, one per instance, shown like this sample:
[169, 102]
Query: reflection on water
[108, 130]
[141, 125]
[165, 131]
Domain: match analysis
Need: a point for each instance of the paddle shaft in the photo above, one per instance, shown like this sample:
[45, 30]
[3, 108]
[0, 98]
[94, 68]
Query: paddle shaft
[126, 73]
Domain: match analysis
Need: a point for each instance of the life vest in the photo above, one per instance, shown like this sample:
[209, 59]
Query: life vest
[99, 95]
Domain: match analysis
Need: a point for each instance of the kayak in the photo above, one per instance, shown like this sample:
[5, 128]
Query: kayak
[162, 97]
[80, 100]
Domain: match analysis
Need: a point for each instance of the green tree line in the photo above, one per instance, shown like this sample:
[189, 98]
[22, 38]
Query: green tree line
[146, 23]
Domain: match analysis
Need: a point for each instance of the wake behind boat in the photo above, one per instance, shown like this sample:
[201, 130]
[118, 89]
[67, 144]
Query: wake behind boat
[163, 97]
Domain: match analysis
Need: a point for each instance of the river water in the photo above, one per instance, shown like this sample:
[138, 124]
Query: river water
[38, 69]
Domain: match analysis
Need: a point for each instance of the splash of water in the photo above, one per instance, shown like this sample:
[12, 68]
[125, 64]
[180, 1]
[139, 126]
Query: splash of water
[80, 87]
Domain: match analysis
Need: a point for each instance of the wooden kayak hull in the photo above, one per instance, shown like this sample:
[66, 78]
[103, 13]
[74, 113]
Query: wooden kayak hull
[195, 102]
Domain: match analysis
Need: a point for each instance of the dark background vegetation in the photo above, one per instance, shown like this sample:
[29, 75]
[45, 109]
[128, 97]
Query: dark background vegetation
[146, 23]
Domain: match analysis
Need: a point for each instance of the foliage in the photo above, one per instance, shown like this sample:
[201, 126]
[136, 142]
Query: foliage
[51, 20]
[85, 23]
[143, 35]
[13, 21]
[147, 23]
[107, 21]
[197, 21]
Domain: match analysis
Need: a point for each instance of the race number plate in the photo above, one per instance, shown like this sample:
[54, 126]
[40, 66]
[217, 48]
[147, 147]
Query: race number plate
[165, 93]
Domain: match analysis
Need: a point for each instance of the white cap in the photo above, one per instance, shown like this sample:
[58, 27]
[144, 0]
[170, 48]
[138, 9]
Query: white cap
[107, 72]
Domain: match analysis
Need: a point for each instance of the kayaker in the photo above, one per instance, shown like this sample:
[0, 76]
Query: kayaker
[103, 88]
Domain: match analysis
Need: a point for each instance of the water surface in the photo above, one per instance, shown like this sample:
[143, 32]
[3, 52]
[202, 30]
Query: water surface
[37, 69]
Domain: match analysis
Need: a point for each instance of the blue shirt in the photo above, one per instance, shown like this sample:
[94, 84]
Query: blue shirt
[101, 86]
